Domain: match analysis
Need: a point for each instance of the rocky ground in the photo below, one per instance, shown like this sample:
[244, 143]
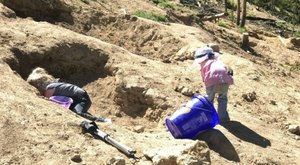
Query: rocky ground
[138, 72]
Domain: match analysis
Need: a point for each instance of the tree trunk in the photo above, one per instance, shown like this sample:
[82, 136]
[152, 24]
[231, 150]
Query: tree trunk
[245, 41]
[225, 7]
[244, 13]
[238, 12]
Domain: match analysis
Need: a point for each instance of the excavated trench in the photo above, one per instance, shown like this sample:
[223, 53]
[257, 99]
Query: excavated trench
[75, 63]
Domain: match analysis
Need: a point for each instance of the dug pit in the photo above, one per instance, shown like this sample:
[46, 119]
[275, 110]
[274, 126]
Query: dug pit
[73, 62]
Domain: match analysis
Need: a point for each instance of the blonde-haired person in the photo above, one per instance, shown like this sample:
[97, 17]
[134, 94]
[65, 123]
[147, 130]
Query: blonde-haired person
[49, 86]
[216, 77]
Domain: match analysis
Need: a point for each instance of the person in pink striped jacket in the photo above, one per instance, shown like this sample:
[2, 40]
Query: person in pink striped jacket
[216, 77]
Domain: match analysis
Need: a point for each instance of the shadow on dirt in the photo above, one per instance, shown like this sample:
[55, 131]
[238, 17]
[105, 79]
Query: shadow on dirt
[41, 10]
[219, 143]
[244, 133]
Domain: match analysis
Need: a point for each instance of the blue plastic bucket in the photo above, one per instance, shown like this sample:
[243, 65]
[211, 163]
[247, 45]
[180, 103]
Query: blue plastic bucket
[196, 116]
[62, 100]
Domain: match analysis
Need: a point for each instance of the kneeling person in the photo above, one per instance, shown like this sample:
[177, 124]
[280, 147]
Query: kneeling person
[48, 87]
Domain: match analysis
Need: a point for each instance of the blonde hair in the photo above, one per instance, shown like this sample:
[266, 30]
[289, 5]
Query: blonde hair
[40, 78]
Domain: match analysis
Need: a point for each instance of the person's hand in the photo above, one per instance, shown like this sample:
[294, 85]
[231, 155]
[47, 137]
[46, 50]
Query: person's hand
[49, 93]
[108, 120]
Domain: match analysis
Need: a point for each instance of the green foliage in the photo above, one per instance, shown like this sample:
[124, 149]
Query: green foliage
[223, 24]
[76, 4]
[295, 67]
[289, 10]
[232, 5]
[231, 15]
[243, 30]
[163, 3]
[297, 34]
[151, 15]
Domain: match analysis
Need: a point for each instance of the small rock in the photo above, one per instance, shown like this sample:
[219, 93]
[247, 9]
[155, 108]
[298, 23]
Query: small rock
[166, 61]
[134, 18]
[139, 129]
[294, 129]
[163, 106]
[255, 78]
[295, 41]
[179, 88]
[76, 158]
[185, 151]
[116, 161]
[250, 97]
[123, 11]
[273, 102]
[242, 155]
[118, 114]
[187, 92]
[214, 46]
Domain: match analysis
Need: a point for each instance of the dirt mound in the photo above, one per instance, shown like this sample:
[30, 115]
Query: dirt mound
[138, 72]
[139, 36]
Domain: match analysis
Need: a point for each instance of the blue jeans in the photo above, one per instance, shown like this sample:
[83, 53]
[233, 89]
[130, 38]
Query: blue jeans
[221, 90]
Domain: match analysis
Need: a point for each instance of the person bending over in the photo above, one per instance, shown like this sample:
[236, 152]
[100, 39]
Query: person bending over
[216, 77]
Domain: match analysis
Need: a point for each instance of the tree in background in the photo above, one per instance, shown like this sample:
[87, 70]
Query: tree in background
[244, 13]
[238, 12]
[294, 7]
[225, 7]
[285, 9]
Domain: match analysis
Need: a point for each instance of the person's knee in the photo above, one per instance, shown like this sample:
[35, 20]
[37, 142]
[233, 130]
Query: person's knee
[87, 105]
[223, 96]
[85, 102]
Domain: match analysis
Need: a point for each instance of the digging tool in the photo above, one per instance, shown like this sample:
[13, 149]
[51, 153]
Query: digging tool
[93, 129]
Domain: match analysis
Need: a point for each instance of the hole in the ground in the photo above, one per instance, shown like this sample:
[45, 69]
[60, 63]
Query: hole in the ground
[75, 63]
[41, 10]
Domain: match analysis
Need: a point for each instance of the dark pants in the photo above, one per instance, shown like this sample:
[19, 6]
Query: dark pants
[81, 103]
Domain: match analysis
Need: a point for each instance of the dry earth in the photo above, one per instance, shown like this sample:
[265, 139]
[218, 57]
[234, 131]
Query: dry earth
[132, 68]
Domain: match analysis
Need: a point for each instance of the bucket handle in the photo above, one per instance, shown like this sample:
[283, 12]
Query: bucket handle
[200, 109]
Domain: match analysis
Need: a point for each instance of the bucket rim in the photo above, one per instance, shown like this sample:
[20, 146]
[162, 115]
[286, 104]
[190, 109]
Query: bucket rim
[69, 99]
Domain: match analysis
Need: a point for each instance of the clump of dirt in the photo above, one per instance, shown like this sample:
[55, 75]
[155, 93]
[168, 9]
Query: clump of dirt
[250, 97]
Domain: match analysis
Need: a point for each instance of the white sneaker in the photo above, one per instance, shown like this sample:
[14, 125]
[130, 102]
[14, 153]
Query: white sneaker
[107, 120]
